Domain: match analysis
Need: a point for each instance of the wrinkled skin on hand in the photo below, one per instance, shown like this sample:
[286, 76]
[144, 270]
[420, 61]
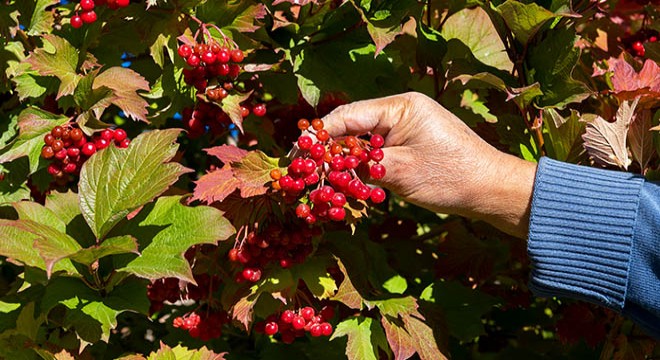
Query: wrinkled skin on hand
[436, 161]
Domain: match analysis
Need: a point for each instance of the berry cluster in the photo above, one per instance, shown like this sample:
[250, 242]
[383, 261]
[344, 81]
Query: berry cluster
[214, 71]
[636, 43]
[293, 324]
[276, 244]
[204, 327]
[171, 290]
[69, 148]
[88, 15]
[331, 167]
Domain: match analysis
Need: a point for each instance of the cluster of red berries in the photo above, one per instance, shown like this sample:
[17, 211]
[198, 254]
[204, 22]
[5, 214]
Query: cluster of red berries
[205, 327]
[171, 290]
[286, 246]
[213, 71]
[293, 324]
[637, 42]
[68, 148]
[88, 15]
[330, 166]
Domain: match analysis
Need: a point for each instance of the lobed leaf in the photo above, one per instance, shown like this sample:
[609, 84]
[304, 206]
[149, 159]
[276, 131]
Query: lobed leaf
[216, 185]
[60, 59]
[605, 141]
[524, 20]
[125, 84]
[165, 230]
[114, 182]
[359, 331]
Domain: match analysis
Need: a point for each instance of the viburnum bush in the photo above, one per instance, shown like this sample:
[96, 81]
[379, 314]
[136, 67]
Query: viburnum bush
[168, 189]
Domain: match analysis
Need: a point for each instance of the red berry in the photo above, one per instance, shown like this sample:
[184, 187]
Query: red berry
[244, 111]
[377, 171]
[338, 199]
[326, 329]
[223, 55]
[70, 168]
[76, 22]
[303, 124]
[87, 5]
[322, 135]
[73, 152]
[653, 39]
[107, 134]
[48, 139]
[57, 145]
[376, 155]
[316, 151]
[337, 163]
[101, 143]
[184, 51]
[208, 57]
[124, 143]
[76, 134]
[119, 135]
[89, 149]
[307, 313]
[305, 142]
[312, 179]
[61, 155]
[287, 316]
[47, 152]
[237, 55]
[88, 17]
[54, 169]
[298, 322]
[336, 213]
[377, 195]
[317, 124]
[316, 330]
[637, 45]
[259, 110]
[377, 141]
[57, 132]
[193, 60]
[303, 210]
[123, 3]
[271, 328]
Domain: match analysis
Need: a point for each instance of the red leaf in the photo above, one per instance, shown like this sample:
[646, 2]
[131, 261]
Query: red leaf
[629, 84]
[400, 341]
[422, 336]
[216, 185]
[125, 83]
[227, 153]
[295, 2]
[253, 172]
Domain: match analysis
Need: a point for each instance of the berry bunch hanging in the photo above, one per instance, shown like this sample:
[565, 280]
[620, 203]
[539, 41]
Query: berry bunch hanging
[284, 245]
[323, 174]
[68, 148]
[636, 43]
[213, 70]
[205, 327]
[87, 14]
[292, 324]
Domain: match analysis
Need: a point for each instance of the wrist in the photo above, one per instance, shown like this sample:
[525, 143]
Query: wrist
[503, 194]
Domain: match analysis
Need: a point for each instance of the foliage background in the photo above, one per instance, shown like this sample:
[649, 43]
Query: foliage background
[554, 78]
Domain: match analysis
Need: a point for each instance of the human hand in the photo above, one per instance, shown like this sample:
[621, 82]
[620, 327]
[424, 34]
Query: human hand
[436, 161]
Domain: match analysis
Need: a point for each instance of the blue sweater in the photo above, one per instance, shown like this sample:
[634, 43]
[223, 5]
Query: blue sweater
[595, 235]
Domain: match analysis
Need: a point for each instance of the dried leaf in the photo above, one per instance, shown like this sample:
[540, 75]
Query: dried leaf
[641, 138]
[605, 141]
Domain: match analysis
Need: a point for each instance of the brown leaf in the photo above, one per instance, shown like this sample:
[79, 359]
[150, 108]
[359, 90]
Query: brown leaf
[400, 341]
[243, 309]
[125, 83]
[605, 141]
[641, 138]
[227, 153]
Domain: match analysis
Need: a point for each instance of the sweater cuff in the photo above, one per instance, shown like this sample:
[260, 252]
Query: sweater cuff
[580, 232]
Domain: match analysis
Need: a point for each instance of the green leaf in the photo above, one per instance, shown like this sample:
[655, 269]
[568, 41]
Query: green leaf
[33, 124]
[360, 331]
[396, 306]
[253, 171]
[112, 246]
[524, 20]
[13, 187]
[564, 135]
[316, 277]
[57, 58]
[165, 230]
[480, 36]
[37, 245]
[92, 314]
[36, 212]
[551, 63]
[431, 47]
[347, 294]
[85, 96]
[231, 105]
[42, 20]
[463, 308]
[114, 182]
[471, 100]
[183, 353]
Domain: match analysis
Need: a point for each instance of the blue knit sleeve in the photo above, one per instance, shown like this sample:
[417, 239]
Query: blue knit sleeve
[594, 235]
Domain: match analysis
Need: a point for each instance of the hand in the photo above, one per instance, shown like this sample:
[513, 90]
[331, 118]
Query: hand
[435, 161]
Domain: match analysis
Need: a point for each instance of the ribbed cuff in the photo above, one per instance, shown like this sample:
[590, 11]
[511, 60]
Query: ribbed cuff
[580, 232]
